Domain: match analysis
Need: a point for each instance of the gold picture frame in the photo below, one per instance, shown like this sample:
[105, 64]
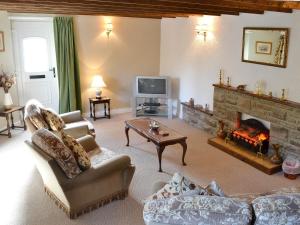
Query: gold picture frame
[2, 45]
[263, 47]
[280, 44]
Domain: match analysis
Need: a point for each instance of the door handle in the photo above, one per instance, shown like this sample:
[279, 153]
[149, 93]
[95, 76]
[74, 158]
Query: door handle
[53, 70]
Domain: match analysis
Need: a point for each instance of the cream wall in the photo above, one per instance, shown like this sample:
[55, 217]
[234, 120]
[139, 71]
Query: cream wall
[194, 65]
[133, 48]
[6, 59]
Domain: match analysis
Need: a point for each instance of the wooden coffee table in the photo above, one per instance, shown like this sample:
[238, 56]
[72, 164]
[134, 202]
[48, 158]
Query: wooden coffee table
[141, 126]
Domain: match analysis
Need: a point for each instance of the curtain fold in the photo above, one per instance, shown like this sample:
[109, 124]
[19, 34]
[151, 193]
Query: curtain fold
[67, 65]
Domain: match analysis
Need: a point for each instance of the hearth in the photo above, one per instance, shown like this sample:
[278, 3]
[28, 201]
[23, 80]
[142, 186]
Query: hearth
[251, 134]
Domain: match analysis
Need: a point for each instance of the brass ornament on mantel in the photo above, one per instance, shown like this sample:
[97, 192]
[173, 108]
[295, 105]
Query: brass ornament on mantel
[276, 158]
[192, 102]
[270, 94]
[241, 87]
[259, 154]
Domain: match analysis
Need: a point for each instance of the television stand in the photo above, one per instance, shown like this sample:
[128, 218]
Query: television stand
[149, 106]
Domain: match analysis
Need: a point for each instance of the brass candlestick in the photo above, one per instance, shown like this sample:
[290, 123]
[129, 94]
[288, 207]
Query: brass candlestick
[228, 82]
[283, 94]
[220, 78]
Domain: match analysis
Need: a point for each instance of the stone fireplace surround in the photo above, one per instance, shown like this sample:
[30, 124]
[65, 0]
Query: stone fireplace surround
[284, 116]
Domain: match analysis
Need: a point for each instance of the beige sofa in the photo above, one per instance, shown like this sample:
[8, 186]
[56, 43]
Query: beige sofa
[108, 179]
[75, 124]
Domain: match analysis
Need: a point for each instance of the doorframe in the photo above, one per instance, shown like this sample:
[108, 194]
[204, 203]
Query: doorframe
[16, 52]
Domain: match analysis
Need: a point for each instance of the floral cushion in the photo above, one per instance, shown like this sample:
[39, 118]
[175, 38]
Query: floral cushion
[53, 119]
[180, 185]
[198, 210]
[78, 151]
[278, 209]
[52, 145]
[37, 119]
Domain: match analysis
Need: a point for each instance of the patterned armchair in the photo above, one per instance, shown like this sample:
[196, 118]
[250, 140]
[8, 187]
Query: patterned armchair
[106, 180]
[75, 124]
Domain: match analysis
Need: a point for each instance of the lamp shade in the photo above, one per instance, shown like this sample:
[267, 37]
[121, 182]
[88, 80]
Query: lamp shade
[98, 82]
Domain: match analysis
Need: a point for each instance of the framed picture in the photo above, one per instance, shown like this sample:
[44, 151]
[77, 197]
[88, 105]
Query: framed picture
[2, 46]
[263, 47]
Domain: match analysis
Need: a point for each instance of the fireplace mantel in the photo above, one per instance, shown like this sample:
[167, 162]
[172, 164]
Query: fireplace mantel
[283, 115]
[262, 96]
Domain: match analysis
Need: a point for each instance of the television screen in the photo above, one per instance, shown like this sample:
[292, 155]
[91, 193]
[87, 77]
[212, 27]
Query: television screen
[152, 86]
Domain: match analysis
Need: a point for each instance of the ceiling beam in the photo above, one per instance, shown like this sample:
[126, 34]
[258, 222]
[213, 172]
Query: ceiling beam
[157, 8]
[51, 6]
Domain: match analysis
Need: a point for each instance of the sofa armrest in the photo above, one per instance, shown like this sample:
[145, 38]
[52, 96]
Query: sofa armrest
[106, 168]
[71, 117]
[77, 131]
[88, 143]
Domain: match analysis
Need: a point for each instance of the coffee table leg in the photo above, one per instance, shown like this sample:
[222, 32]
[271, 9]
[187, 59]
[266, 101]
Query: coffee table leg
[160, 150]
[127, 135]
[184, 148]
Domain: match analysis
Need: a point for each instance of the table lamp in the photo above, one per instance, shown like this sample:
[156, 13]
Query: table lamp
[98, 83]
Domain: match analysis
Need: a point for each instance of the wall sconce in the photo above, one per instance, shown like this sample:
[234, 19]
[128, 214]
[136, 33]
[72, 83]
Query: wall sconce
[201, 30]
[108, 28]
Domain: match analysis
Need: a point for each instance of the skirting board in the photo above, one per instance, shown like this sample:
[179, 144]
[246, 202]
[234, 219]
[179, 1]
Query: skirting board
[113, 112]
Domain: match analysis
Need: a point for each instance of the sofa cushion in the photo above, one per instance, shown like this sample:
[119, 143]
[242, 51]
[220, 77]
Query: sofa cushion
[251, 196]
[277, 209]
[180, 185]
[53, 119]
[37, 119]
[78, 151]
[99, 156]
[195, 210]
[52, 145]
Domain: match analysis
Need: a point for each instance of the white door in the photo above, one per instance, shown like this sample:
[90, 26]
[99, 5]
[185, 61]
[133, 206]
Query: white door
[35, 62]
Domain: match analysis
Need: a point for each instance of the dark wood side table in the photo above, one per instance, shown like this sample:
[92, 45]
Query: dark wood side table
[105, 101]
[8, 114]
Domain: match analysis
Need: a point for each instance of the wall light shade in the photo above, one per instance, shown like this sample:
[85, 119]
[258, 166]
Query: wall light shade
[98, 83]
[108, 28]
[202, 29]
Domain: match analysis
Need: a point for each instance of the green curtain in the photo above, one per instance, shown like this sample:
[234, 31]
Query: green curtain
[67, 65]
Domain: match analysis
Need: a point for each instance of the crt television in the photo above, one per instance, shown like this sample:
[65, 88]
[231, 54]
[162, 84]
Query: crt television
[152, 86]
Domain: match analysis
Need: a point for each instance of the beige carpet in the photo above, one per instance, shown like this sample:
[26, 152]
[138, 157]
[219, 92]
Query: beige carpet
[24, 202]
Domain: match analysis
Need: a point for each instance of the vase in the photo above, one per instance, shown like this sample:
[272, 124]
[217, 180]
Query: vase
[8, 103]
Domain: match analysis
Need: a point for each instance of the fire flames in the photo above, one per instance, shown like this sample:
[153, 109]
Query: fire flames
[262, 137]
